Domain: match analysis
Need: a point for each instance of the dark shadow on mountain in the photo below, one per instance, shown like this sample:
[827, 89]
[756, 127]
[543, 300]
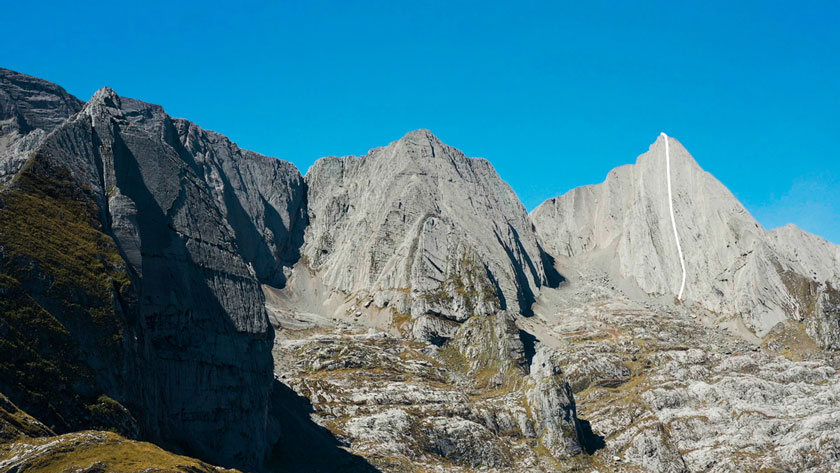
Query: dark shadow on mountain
[590, 441]
[306, 446]
[496, 288]
[179, 307]
[524, 295]
[249, 240]
[268, 262]
[529, 343]
[553, 278]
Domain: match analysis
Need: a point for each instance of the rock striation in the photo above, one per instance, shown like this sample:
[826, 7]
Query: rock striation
[667, 393]
[157, 282]
[196, 226]
[30, 108]
[734, 268]
[423, 229]
[810, 268]
[404, 404]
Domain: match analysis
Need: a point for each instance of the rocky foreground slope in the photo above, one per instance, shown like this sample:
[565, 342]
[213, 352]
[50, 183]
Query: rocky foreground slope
[398, 311]
[28, 445]
[670, 392]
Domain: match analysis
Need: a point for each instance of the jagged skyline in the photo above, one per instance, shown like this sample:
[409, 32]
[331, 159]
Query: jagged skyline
[388, 311]
[571, 90]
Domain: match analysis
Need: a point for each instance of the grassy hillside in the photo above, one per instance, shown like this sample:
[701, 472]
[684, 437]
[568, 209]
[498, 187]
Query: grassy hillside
[63, 288]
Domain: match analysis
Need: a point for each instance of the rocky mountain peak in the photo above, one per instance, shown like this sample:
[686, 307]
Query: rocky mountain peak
[30, 108]
[105, 97]
[812, 255]
[681, 159]
[33, 103]
[731, 264]
[420, 226]
[198, 225]
[420, 134]
[420, 143]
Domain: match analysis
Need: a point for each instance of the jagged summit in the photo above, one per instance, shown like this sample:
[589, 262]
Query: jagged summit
[681, 159]
[105, 96]
[679, 154]
[410, 230]
[420, 134]
[30, 108]
[33, 103]
[816, 257]
[733, 268]
[419, 144]
[197, 226]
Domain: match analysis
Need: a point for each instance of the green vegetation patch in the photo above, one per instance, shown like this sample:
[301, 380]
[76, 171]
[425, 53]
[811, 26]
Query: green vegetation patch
[14, 423]
[61, 283]
[99, 451]
[468, 282]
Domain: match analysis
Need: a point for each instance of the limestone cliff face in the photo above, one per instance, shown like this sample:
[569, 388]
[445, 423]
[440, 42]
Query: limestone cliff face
[810, 268]
[421, 227]
[732, 266]
[30, 108]
[197, 225]
[134, 248]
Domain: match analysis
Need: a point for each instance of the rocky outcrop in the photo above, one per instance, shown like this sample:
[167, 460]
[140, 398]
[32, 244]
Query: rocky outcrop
[685, 397]
[15, 423]
[28, 445]
[624, 225]
[810, 268]
[552, 405]
[96, 452]
[402, 404]
[423, 229]
[192, 226]
[30, 108]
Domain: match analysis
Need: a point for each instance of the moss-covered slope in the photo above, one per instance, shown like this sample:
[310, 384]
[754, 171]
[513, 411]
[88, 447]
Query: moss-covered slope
[62, 318]
[95, 451]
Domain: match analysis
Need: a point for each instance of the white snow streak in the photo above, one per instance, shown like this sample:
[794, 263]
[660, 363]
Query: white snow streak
[671, 206]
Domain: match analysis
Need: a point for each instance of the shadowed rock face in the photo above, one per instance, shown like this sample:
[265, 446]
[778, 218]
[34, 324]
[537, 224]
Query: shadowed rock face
[200, 225]
[733, 267]
[421, 227]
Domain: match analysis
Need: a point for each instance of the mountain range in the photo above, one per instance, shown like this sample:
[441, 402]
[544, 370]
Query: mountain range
[172, 302]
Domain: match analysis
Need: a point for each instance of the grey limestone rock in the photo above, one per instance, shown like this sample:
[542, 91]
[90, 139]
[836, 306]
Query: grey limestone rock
[425, 229]
[810, 268]
[201, 225]
[733, 267]
[553, 406]
[30, 108]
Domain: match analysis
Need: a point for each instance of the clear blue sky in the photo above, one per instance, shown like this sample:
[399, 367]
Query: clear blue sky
[554, 94]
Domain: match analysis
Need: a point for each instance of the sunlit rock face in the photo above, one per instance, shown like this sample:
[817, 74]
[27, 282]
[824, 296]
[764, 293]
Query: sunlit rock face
[424, 229]
[30, 108]
[398, 311]
[733, 266]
